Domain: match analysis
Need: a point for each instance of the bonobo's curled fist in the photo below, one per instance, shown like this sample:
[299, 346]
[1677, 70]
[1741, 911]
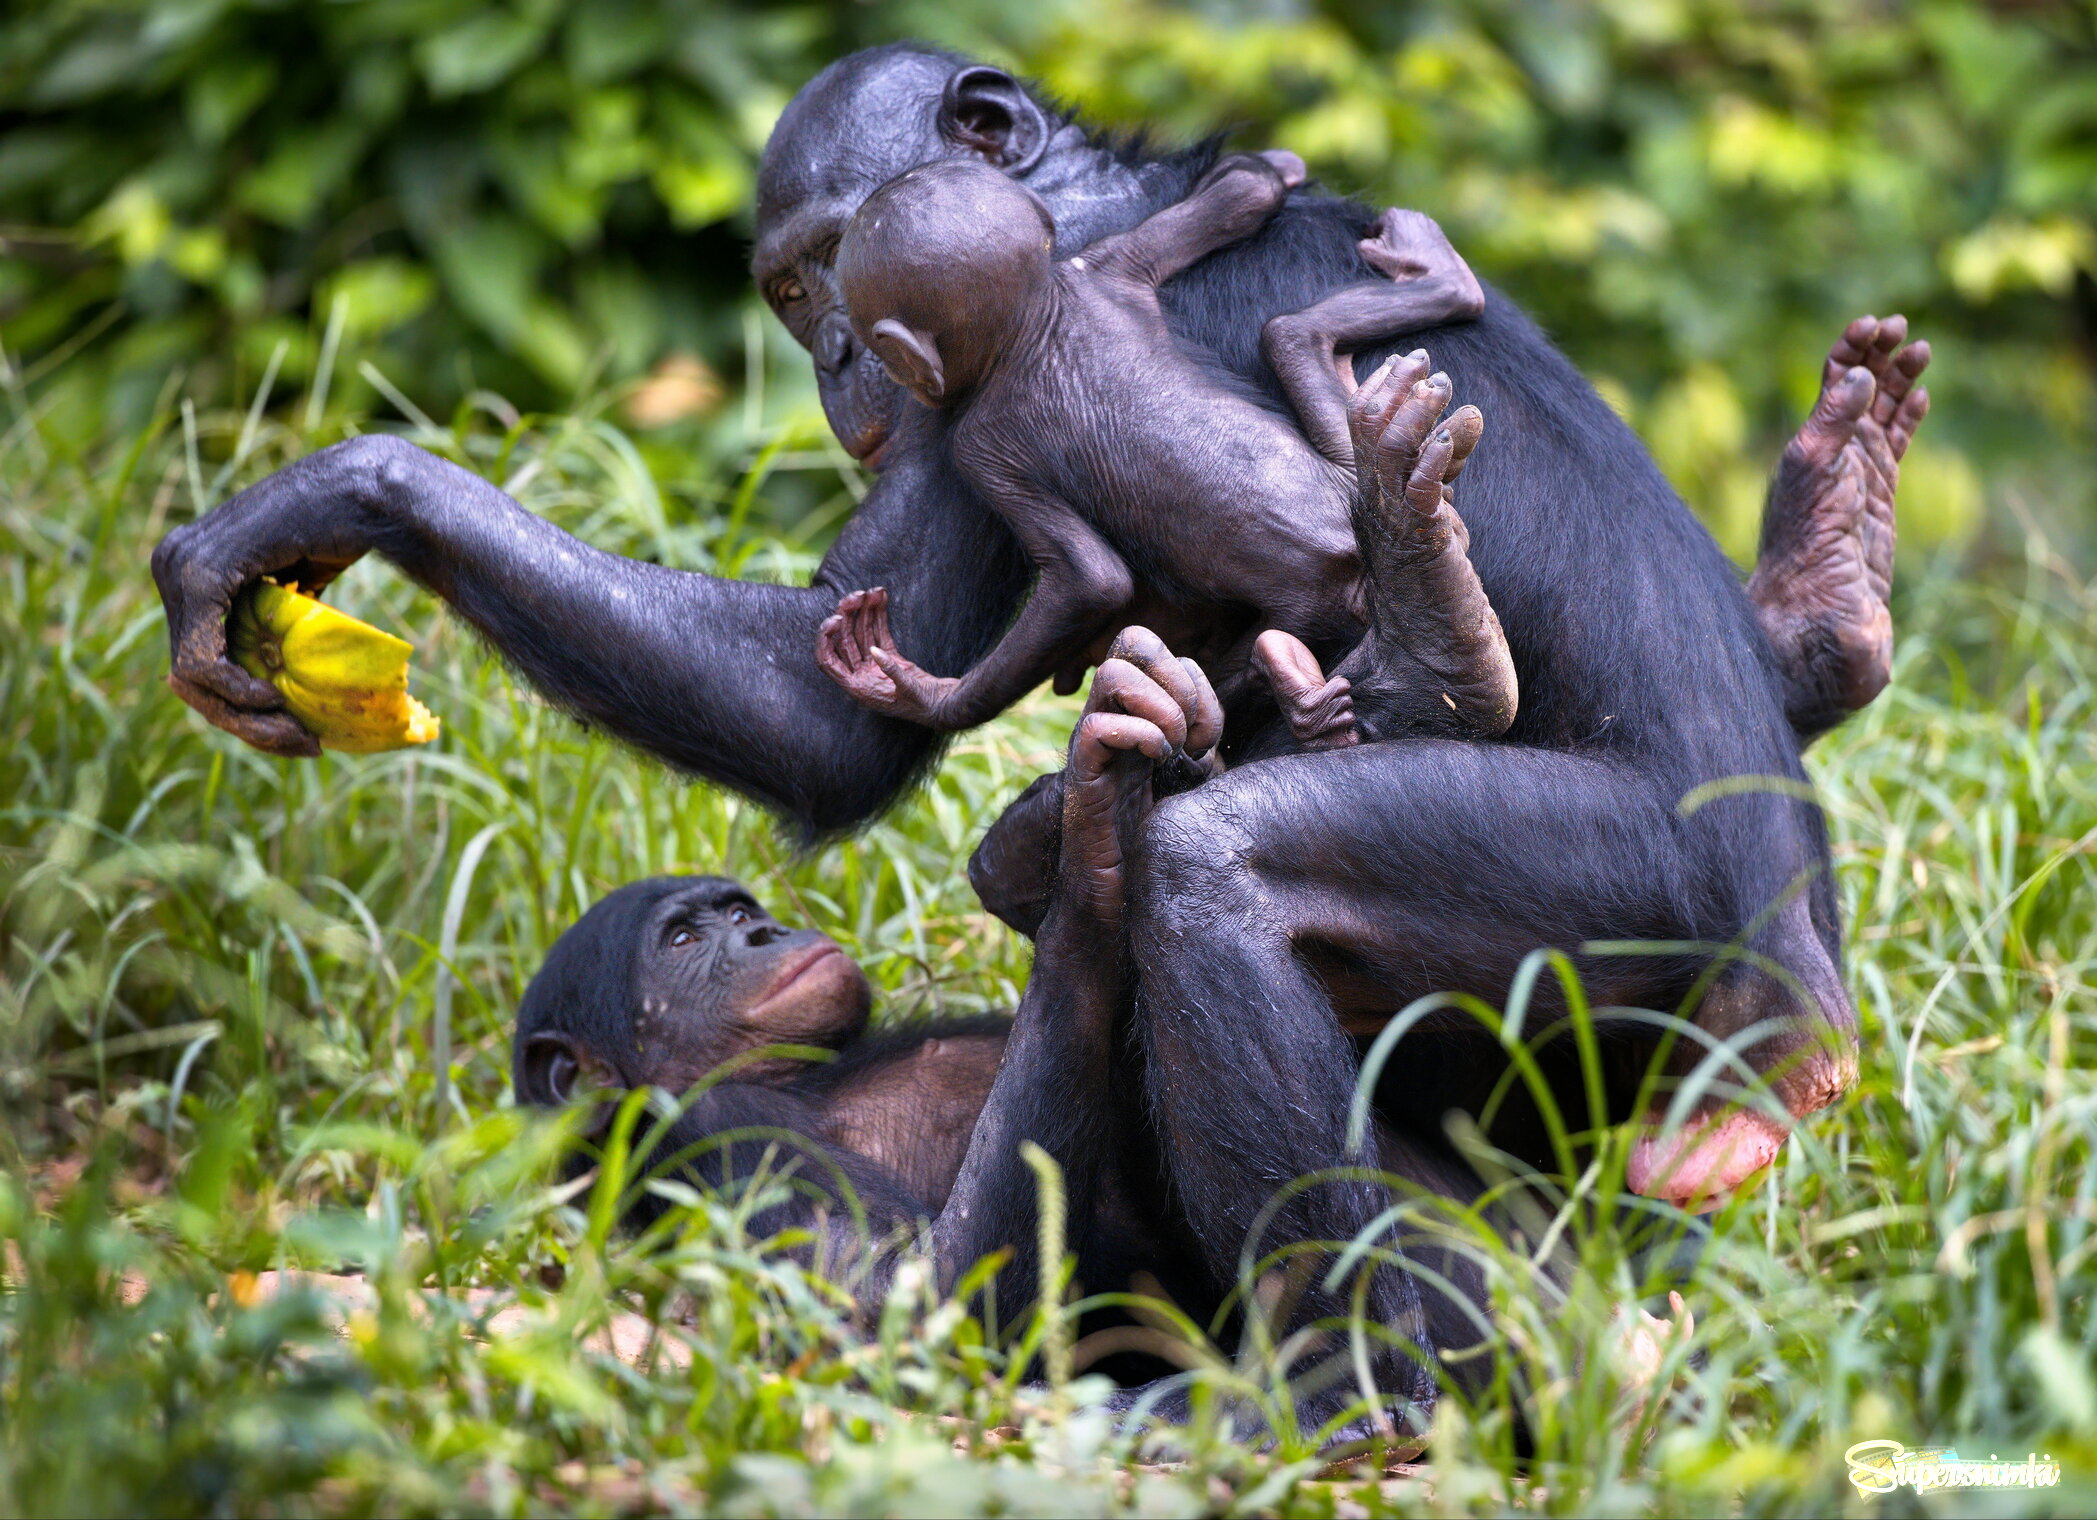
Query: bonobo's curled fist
[1130, 466]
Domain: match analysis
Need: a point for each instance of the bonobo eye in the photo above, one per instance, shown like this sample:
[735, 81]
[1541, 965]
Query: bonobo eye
[739, 915]
[786, 292]
[682, 938]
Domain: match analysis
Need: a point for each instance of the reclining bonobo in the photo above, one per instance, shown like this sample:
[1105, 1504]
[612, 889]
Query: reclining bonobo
[1125, 462]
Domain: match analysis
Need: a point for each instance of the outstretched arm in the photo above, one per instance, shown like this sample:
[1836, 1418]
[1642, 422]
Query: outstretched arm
[717, 677]
[1233, 201]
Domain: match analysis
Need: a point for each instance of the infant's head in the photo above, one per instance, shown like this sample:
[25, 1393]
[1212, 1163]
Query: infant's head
[937, 267]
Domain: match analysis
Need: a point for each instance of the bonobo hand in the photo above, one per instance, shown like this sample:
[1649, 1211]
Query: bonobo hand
[1145, 706]
[308, 522]
[857, 651]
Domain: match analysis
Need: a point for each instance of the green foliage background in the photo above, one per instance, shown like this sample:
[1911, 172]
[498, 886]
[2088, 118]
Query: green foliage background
[529, 196]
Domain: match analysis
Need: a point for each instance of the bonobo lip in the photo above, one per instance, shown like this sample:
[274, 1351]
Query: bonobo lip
[795, 970]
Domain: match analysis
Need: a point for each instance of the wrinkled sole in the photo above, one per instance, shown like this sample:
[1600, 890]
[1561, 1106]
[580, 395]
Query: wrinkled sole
[1700, 1165]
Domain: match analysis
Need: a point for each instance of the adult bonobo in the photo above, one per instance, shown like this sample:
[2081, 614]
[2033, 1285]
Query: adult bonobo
[667, 982]
[1372, 873]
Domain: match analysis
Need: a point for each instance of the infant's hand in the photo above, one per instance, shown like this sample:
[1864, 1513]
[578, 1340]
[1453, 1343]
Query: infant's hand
[857, 651]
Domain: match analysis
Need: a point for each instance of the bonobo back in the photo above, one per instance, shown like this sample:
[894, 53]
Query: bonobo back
[1210, 495]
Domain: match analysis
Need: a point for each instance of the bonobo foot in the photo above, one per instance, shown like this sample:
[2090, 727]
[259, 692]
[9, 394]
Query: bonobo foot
[1410, 245]
[857, 651]
[1320, 712]
[1435, 658]
[1426, 284]
[1826, 568]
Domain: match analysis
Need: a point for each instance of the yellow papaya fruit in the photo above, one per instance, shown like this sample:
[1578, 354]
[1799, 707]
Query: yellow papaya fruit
[345, 680]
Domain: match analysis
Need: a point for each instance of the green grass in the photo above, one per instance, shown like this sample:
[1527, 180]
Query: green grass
[225, 977]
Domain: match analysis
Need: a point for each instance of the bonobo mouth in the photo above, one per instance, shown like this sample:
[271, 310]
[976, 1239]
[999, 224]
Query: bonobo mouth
[796, 970]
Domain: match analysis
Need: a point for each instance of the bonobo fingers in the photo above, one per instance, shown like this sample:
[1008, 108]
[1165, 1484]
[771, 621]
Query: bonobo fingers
[198, 597]
[274, 733]
[855, 649]
[1320, 712]
[1196, 720]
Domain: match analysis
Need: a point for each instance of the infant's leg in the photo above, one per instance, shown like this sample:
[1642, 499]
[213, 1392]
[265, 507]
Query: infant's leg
[1435, 660]
[1426, 284]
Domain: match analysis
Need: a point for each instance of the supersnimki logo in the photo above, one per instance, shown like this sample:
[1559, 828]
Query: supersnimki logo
[1880, 1467]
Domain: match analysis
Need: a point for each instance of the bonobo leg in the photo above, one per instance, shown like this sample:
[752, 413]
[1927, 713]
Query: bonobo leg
[1427, 284]
[1826, 567]
[1396, 870]
[1434, 661]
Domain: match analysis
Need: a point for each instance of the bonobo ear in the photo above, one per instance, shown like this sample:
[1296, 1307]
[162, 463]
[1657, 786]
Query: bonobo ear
[987, 111]
[551, 1065]
[911, 359]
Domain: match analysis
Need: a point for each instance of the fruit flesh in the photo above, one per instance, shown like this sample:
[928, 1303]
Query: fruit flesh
[346, 681]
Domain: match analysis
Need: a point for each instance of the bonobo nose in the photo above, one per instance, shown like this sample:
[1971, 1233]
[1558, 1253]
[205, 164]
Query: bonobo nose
[834, 348]
[764, 934]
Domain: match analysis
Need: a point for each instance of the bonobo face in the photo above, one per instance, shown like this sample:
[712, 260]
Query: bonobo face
[939, 268]
[663, 980]
[851, 129]
[716, 975]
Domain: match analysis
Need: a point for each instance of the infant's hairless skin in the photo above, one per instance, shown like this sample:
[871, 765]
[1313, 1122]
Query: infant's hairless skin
[1132, 468]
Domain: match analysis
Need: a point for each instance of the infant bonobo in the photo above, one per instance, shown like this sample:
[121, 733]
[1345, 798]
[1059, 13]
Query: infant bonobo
[1126, 463]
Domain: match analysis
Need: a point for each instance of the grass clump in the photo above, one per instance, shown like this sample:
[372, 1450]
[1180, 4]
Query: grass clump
[254, 1017]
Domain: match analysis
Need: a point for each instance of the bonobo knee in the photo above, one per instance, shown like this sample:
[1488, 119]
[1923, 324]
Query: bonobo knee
[1193, 869]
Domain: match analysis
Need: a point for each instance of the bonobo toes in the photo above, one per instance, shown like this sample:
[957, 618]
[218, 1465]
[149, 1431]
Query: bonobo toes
[1410, 245]
[1821, 585]
[1435, 645]
[856, 650]
[1320, 712]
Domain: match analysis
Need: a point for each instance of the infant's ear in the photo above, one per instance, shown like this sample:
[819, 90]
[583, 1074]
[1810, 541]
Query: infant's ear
[911, 359]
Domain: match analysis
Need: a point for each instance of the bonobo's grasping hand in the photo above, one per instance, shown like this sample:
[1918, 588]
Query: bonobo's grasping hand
[1826, 568]
[856, 650]
[1015, 870]
[1144, 702]
[307, 523]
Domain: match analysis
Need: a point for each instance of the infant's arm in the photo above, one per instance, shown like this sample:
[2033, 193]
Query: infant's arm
[1234, 200]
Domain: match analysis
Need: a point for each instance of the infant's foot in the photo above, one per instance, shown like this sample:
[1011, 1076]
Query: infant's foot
[856, 650]
[1410, 245]
[1434, 632]
[1320, 711]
